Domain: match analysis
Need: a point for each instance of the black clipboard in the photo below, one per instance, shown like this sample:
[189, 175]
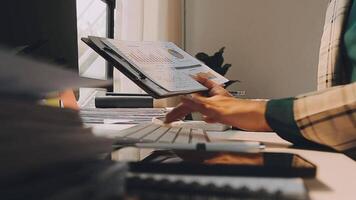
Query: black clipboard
[130, 71]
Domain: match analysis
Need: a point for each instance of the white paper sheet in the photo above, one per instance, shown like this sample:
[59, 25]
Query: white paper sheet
[24, 76]
[165, 64]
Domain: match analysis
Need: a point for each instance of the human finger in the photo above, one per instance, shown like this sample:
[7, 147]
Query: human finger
[206, 82]
[196, 95]
[177, 113]
[214, 88]
[200, 104]
[219, 91]
[188, 105]
[209, 120]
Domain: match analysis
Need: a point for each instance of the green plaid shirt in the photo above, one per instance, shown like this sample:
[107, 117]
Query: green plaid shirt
[328, 116]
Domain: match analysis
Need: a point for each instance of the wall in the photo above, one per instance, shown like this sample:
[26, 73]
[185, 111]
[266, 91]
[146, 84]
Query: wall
[147, 20]
[272, 44]
[140, 20]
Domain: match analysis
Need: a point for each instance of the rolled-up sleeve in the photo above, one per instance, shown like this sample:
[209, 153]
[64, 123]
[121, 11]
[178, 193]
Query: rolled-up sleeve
[280, 117]
[327, 117]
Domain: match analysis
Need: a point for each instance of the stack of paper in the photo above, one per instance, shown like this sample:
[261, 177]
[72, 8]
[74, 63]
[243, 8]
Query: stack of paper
[45, 152]
[33, 136]
[24, 76]
[121, 115]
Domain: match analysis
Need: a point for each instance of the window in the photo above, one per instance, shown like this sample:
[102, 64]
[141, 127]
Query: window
[91, 21]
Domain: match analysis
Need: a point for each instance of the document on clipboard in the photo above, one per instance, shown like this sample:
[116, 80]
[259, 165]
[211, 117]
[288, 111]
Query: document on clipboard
[163, 63]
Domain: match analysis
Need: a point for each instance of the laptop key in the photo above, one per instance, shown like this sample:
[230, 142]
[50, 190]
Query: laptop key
[183, 136]
[129, 131]
[169, 136]
[197, 136]
[154, 136]
[124, 141]
[143, 132]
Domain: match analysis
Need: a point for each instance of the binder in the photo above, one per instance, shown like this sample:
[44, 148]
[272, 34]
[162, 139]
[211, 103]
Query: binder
[127, 67]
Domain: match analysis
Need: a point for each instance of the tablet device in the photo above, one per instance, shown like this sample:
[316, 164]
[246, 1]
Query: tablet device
[264, 164]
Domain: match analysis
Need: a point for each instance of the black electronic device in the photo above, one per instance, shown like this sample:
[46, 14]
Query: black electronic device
[41, 29]
[124, 101]
[264, 164]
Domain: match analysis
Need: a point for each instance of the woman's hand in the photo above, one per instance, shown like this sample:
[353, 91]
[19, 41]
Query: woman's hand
[222, 107]
[214, 88]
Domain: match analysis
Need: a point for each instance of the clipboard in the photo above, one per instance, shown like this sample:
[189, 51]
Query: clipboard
[127, 67]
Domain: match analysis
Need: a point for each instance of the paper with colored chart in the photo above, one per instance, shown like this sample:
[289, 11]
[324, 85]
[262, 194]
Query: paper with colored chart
[165, 64]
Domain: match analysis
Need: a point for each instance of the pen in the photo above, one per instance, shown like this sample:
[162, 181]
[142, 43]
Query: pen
[244, 147]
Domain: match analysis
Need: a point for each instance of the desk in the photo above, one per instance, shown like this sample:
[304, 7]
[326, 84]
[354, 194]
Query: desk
[336, 173]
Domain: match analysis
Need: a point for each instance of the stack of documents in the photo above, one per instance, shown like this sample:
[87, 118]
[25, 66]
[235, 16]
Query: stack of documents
[33, 136]
[121, 115]
[19, 76]
[45, 152]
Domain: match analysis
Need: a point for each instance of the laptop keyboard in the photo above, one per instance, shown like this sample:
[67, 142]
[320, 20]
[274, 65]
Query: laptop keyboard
[162, 134]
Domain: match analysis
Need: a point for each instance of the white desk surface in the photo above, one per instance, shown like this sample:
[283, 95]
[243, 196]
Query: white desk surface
[336, 173]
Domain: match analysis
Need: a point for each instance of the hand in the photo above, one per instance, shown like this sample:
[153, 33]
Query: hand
[214, 88]
[181, 110]
[221, 107]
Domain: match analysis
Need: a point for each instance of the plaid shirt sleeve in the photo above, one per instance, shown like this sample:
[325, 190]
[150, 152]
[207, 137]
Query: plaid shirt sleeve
[327, 117]
[280, 117]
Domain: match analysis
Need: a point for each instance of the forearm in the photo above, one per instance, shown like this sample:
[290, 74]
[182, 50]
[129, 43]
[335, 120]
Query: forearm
[280, 117]
[251, 116]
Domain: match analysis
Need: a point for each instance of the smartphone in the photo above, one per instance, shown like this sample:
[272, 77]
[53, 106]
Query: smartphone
[192, 162]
